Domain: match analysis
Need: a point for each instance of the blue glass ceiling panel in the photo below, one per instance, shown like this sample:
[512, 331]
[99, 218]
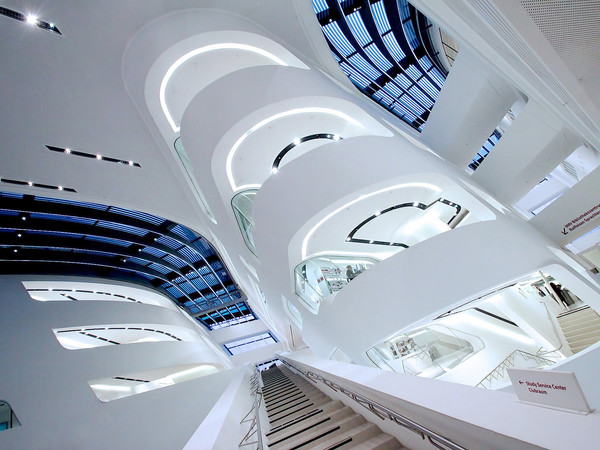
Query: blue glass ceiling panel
[381, 20]
[190, 255]
[376, 56]
[121, 227]
[177, 262]
[357, 27]
[74, 203]
[320, 5]
[154, 252]
[335, 35]
[364, 67]
[138, 215]
[108, 240]
[169, 242]
[374, 44]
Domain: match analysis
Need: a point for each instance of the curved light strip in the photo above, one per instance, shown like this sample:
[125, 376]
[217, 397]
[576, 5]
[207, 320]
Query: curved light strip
[356, 200]
[262, 123]
[199, 51]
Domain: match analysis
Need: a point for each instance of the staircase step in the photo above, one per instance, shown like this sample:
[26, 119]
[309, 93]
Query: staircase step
[293, 415]
[283, 405]
[576, 318]
[584, 341]
[286, 396]
[326, 431]
[588, 327]
[332, 416]
[350, 438]
[301, 406]
[382, 441]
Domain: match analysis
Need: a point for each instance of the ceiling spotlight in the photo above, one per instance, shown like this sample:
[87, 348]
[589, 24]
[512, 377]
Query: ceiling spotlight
[296, 141]
[15, 250]
[347, 239]
[377, 213]
[19, 235]
[51, 25]
[29, 183]
[131, 163]
[98, 156]
[274, 170]
[336, 137]
[32, 19]
[23, 218]
[60, 188]
[415, 204]
[67, 150]
[371, 241]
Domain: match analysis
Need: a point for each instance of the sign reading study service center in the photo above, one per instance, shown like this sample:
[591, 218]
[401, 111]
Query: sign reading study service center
[558, 390]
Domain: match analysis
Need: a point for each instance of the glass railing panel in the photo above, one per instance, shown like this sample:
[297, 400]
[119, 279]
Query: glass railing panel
[319, 277]
[7, 417]
[242, 209]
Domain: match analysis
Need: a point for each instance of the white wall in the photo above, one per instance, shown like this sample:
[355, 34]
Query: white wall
[47, 385]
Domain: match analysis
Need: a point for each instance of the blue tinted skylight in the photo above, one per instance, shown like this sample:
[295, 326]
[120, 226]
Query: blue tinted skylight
[335, 35]
[366, 68]
[138, 215]
[320, 5]
[358, 28]
[381, 20]
[377, 57]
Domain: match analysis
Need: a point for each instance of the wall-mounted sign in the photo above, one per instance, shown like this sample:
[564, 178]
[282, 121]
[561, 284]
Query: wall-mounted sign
[558, 390]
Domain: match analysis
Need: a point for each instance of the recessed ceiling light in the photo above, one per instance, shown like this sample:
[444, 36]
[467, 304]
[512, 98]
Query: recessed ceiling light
[29, 183]
[32, 19]
[98, 156]
[274, 170]
[67, 150]
[60, 188]
[296, 141]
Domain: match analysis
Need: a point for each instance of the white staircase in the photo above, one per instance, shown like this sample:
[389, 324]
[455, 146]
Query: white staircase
[581, 327]
[302, 417]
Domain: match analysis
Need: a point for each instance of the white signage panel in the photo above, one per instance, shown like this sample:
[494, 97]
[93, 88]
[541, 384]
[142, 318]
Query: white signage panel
[558, 390]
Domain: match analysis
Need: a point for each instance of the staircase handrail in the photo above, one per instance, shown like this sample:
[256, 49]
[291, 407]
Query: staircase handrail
[380, 410]
[509, 361]
[255, 383]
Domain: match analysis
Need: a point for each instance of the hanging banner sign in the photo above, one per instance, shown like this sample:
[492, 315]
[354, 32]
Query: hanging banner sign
[557, 390]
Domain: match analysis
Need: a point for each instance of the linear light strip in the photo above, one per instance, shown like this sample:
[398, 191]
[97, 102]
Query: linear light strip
[199, 51]
[98, 157]
[264, 122]
[38, 185]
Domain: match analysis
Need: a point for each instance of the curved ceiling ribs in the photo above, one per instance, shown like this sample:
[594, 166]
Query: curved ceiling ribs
[52, 235]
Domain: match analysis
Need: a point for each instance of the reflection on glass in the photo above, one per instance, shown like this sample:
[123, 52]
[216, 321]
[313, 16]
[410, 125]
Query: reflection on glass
[7, 417]
[242, 208]
[427, 352]
[318, 277]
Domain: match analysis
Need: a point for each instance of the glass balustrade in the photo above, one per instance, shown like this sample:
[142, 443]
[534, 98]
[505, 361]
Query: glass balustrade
[321, 276]
[427, 352]
[242, 209]
[8, 419]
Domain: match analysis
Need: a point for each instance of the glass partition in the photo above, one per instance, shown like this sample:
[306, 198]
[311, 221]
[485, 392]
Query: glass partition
[427, 352]
[318, 277]
[7, 417]
[242, 209]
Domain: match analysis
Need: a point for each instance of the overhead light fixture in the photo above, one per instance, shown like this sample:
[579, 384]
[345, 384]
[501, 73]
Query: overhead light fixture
[274, 170]
[336, 137]
[60, 188]
[67, 150]
[296, 141]
[31, 19]
[98, 156]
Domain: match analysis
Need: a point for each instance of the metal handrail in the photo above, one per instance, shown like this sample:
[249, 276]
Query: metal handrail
[381, 411]
[508, 362]
[255, 383]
